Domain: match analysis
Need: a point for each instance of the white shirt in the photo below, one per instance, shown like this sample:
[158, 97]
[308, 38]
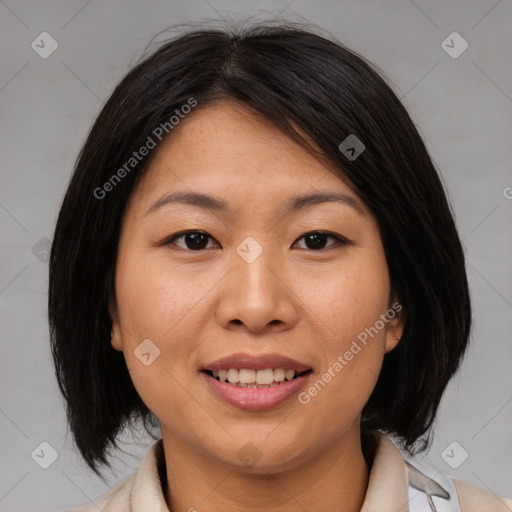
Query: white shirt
[392, 487]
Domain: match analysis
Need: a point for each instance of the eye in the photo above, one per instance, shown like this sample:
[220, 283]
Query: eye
[195, 240]
[316, 240]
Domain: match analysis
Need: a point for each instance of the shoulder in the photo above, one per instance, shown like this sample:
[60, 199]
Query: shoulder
[116, 499]
[476, 499]
[429, 488]
[139, 492]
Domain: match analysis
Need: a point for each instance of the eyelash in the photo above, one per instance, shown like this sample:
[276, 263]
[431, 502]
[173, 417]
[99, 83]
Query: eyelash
[339, 240]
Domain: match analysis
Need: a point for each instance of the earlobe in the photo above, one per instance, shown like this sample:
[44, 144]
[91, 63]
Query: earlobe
[391, 342]
[396, 315]
[115, 333]
[115, 337]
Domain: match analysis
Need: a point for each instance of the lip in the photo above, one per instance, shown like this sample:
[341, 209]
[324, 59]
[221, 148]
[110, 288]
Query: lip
[255, 399]
[242, 360]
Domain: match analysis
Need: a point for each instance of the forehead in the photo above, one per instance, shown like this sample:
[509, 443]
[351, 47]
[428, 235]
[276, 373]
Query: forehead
[226, 134]
[225, 150]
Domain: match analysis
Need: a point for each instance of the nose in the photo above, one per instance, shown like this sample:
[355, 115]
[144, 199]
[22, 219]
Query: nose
[258, 295]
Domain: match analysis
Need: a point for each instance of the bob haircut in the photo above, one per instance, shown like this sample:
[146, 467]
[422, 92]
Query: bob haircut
[304, 83]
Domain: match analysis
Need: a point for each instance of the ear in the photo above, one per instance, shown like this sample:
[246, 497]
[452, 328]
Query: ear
[115, 334]
[396, 322]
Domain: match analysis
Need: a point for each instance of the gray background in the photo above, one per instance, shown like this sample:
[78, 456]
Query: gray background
[462, 105]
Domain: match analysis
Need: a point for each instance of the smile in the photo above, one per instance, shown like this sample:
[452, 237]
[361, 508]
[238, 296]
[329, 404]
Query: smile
[251, 396]
[256, 379]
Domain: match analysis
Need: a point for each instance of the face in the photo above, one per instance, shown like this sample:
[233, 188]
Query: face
[258, 279]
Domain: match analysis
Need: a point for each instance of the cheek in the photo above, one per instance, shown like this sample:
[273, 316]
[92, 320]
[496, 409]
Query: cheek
[160, 310]
[353, 337]
[352, 299]
[154, 299]
[157, 305]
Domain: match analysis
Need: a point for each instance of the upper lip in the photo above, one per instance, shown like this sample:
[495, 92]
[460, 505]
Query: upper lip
[243, 360]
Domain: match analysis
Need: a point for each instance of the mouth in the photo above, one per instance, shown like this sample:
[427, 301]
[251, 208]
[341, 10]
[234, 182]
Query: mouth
[255, 382]
[251, 378]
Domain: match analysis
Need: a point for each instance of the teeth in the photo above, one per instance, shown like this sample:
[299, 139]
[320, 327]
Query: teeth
[289, 374]
[233, 376]
[254, 378]
[279, 374]
[247, 376]
[265, 376]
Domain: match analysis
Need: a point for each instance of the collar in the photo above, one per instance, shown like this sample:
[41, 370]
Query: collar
[387, 487]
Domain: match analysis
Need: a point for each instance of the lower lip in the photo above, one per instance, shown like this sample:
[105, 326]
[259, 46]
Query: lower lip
[255, 399]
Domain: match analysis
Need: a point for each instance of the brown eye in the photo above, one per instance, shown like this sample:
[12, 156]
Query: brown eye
[316, 240]
[193, 240]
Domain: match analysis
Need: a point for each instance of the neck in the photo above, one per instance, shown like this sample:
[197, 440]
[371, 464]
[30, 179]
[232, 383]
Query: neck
[333, 480]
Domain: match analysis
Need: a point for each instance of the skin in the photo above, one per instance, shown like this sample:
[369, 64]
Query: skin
[199, 305]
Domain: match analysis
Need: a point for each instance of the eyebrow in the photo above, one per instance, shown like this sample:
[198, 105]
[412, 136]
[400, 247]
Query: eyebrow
[211, 203]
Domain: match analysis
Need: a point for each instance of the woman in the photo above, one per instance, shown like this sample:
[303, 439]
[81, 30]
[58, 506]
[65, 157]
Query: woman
[256, 255]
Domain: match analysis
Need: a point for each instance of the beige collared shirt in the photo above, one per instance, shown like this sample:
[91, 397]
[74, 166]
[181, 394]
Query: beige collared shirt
[390, 488]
